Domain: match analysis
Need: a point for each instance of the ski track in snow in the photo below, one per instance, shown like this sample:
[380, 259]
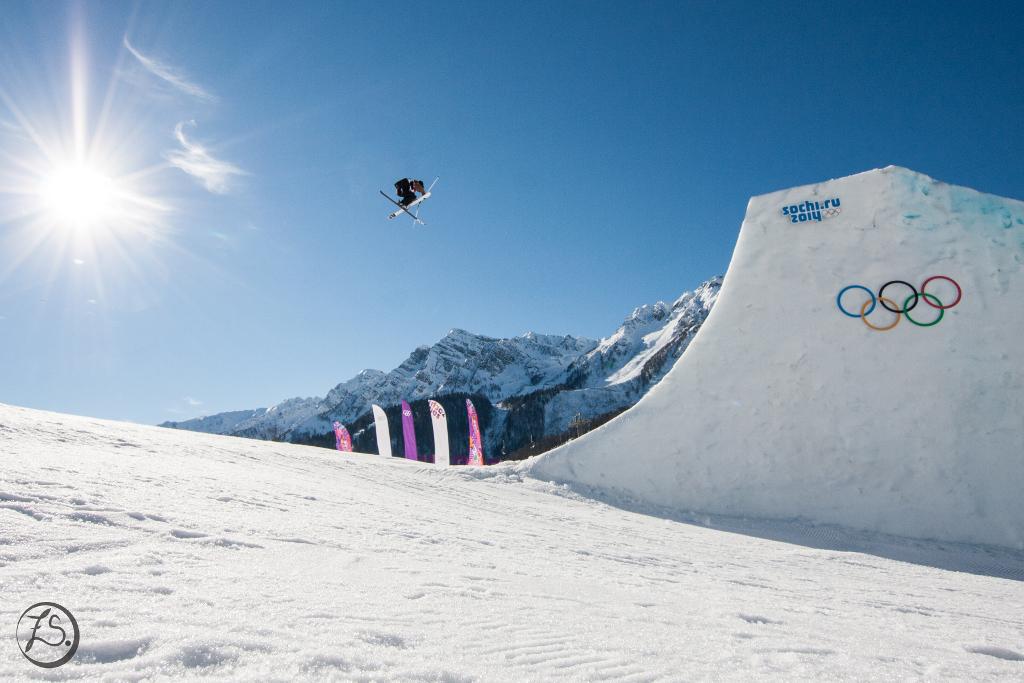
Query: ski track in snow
[187, 554]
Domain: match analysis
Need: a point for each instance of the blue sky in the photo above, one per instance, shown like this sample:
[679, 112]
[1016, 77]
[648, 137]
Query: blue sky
[593, 157]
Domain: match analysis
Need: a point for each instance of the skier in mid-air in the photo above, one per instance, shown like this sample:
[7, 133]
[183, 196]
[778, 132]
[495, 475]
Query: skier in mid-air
[407, 190]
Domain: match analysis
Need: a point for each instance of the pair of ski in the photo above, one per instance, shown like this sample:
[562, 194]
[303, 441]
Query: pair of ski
[407, 207]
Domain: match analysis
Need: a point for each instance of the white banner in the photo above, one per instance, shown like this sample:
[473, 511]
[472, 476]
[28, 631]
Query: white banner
[440, 423]
[380, 421]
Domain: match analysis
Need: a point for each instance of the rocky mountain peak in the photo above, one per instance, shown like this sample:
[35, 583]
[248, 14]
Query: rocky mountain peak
[566, 372]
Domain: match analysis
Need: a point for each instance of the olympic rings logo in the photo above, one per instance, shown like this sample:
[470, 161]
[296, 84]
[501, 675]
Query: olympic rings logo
[908, 304]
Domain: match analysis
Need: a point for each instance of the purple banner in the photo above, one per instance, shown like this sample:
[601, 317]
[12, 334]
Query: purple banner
[476, 444]
[342, 439]
[408, 432]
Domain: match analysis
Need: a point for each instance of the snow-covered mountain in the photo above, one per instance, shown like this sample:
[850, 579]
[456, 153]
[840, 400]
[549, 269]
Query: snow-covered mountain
[222, 423]
[635, 357]
[463, 362]
[557, 375]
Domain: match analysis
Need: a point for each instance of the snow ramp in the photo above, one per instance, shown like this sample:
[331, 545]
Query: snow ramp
[786, 407]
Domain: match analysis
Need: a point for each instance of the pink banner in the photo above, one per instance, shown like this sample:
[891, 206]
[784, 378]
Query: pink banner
[342, 440]
[408, 432]
[476, 444]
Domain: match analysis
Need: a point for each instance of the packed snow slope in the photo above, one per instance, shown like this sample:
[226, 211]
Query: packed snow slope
[197, 556]
[784, 407]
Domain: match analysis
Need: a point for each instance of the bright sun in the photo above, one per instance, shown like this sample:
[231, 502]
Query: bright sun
[78, 205]
[79, 196]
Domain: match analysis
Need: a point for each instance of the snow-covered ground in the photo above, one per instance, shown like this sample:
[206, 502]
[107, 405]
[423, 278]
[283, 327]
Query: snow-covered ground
[186, 554]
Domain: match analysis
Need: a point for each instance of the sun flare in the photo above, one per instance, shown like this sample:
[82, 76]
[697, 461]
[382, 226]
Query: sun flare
[78, 196]
[84, 213]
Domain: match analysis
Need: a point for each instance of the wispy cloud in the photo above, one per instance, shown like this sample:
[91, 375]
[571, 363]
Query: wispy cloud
[9, 129]
[194, 159]
[169, 74]
[193, 401]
